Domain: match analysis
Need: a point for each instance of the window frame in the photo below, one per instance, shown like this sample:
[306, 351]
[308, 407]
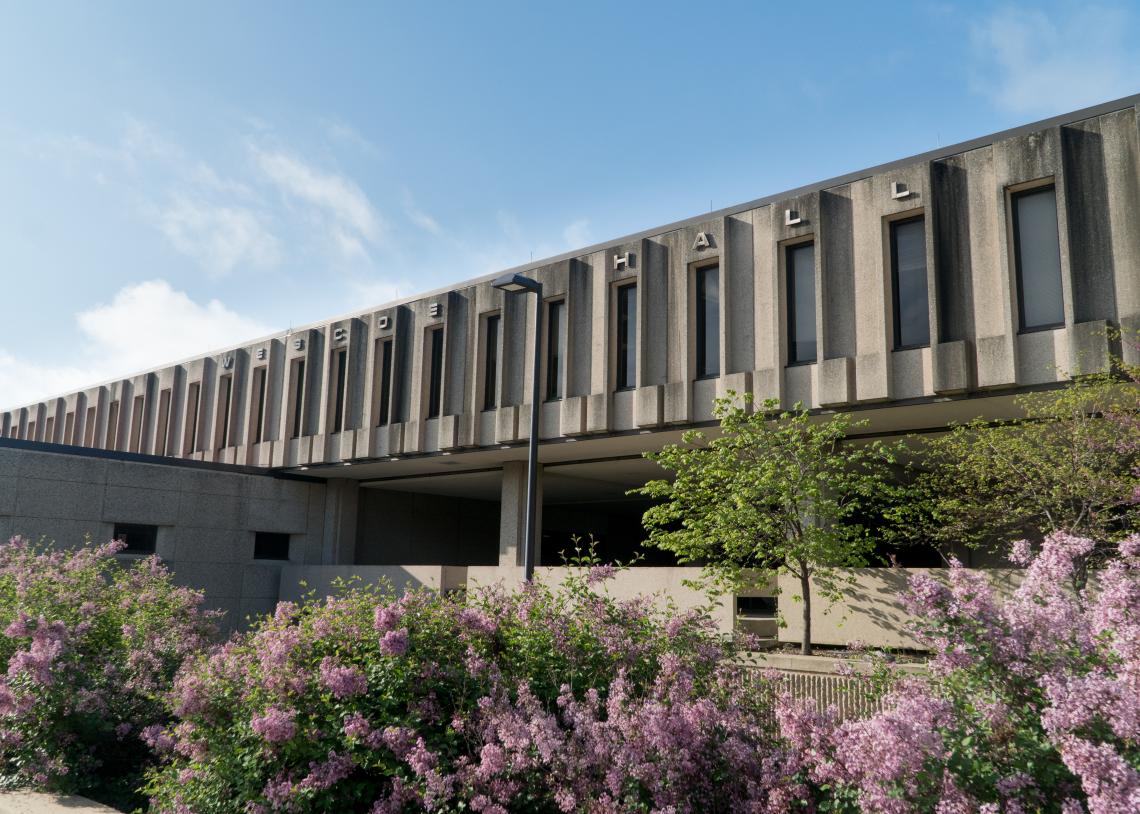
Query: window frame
[340, 390]
[435, 353]
[700, 328]
[491, 360]
[271, 537]
[790, 302]
[384, 362]
[896, 304]
[1013, 196]
[123, 530]
[556, 350]
[625, 336]
[297, 370]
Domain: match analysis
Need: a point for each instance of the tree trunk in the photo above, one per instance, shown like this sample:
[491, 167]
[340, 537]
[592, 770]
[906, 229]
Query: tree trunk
[805, 592]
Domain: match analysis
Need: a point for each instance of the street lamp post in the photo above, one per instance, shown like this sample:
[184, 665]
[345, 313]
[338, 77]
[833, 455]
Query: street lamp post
[513, 283]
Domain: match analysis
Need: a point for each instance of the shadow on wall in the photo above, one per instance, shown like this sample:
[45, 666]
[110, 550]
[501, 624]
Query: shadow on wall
[872, 610]
[320, 578]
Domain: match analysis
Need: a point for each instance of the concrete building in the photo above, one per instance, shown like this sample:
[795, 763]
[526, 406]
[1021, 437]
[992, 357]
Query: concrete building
[918, 292]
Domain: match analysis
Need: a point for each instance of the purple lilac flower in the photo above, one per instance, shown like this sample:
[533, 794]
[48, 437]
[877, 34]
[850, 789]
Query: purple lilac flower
[394, 642]
[276, 725]
[343, 682]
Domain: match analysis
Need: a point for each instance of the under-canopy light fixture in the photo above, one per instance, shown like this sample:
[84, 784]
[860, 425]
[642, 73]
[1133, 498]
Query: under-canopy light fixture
[515, 282]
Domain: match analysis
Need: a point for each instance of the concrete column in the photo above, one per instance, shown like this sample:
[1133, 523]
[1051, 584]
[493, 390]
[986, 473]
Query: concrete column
[512, 515]
[342, 498]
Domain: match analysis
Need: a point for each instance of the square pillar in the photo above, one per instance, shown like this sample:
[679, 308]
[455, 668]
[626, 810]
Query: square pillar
[512, 515]
[342, 499]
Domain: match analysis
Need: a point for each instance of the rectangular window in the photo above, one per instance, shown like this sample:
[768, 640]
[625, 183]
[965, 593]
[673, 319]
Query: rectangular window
[49, 429]
[136, 423]
[298, 379]
[908, 283]
[260, 375]
[800, 261]
[193, 396]
[69, 428]
[270, 545]
[338, 404]
[491, 362]
[112, 425]
[225, 391]
[31, 431]
[385, 382]
[1037, 254]
[163, 429]
[626, 337]
[435, 373]
[708, 321]
[140, 539]
[89, 428]
[555, 348]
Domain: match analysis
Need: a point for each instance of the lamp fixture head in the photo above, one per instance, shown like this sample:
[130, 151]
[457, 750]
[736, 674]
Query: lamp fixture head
[515, 282]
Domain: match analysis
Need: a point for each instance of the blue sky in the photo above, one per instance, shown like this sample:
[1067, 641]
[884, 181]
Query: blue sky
[177, 179]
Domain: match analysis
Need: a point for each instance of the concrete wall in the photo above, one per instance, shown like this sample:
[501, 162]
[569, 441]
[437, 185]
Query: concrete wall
[872, 611]
[206, 517]
[962, 192]
[663, 584]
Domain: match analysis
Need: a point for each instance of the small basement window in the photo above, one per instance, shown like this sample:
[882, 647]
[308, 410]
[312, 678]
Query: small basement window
[270, 545]
[140, 538]
[756, 606]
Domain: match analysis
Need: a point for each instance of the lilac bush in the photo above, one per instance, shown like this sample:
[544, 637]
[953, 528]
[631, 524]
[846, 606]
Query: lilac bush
[1033, 703]
[90, 649]
[541, 700]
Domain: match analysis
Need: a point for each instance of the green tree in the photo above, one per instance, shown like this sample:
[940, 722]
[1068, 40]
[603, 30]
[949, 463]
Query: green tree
[1069, 464]
[773, 492]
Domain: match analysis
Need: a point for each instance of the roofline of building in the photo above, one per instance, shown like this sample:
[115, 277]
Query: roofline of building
[1072, 117]
[157, 460]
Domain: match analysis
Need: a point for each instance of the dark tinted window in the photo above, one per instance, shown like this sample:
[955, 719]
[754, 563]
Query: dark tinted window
[298, 395]
[259, 385]
[800, 262]
[338, 404]
[1038, 256]
[708, 321]
[908, 278]
[491, 366]
[226, 385]
[435, 383]
[140, 539]
[385, 380]
[270, 545]
[627, 336]
[555, 348]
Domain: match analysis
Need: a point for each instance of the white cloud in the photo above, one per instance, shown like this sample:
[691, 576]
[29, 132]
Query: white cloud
[1029, 62]
[419, 217]
[344, 133]
[145, 325]
[219, 237]
[338, 197]
[577, 235]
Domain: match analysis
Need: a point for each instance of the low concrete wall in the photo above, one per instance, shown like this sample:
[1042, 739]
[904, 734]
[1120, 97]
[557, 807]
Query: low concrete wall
[872, 610]
[320, 578]
[663, 583]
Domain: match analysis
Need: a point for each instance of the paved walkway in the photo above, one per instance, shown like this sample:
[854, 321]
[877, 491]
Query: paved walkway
[31, 802]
